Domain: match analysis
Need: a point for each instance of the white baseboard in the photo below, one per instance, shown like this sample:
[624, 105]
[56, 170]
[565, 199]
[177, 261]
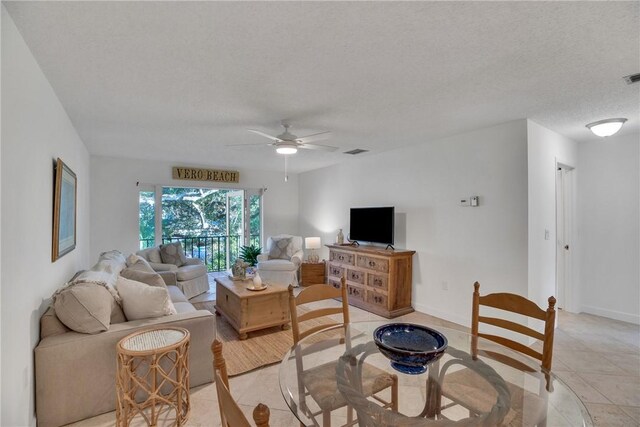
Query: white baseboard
[451, 317]
[612, 314]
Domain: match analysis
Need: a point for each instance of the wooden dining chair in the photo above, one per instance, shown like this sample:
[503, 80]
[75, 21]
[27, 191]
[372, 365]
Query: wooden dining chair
[230, 413]
[458, 385]
[319, 382]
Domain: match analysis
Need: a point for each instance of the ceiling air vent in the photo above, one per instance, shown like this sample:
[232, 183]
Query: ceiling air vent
[633, 78]
[356, 151]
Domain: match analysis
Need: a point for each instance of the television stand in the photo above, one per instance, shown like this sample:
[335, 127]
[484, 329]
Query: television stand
[389, 246]
[378, 280]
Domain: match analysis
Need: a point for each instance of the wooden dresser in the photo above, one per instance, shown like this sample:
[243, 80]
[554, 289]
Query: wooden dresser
[378, 280]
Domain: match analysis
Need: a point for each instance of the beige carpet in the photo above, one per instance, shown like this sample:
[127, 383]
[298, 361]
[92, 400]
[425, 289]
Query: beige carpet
[262, 348]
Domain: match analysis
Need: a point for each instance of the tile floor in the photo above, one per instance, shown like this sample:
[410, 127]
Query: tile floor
[597, 357]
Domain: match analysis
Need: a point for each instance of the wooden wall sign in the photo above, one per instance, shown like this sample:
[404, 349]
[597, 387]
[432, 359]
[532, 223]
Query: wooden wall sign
[197, 174]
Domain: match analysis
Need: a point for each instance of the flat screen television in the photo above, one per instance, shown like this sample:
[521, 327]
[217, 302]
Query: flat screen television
[373, 225]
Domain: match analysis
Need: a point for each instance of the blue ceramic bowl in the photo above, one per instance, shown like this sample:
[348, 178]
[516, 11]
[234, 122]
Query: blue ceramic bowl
[410, 347]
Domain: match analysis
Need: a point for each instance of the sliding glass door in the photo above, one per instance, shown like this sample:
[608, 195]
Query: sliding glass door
[212, 224]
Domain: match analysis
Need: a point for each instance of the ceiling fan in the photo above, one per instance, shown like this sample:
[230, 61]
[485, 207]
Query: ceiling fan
[288, 143]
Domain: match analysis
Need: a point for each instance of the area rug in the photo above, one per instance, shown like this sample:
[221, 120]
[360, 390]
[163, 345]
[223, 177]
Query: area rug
[262, 348]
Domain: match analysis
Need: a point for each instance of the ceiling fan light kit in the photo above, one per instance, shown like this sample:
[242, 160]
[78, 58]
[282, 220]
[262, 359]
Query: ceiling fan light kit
[606, 127]
[286, 147]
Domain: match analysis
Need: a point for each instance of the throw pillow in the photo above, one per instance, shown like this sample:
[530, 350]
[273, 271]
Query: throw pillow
[154, 255]
[139, 263]
[84, 307]
[140, 301]
[172, 253]
[50, 324]
[151, 279]
[280, 248]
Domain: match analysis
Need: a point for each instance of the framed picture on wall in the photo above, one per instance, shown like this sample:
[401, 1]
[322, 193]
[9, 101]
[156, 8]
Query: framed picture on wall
[64, 211]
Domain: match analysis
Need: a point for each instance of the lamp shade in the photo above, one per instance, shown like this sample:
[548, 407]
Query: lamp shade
[606, 127]
[312, 242]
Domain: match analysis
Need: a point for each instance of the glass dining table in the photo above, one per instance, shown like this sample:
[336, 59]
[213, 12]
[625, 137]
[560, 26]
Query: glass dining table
[475, 382]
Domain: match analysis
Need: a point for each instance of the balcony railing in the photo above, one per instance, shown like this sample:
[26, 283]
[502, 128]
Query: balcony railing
[210, 249]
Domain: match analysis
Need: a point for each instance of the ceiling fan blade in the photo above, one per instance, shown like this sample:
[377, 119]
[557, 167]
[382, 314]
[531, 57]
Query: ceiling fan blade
[314, 137]
[263, 134]
[265, 144]
[318, 147]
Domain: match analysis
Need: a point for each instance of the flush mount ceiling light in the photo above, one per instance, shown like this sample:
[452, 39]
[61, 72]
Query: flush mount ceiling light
[606, 127]
[286, 147]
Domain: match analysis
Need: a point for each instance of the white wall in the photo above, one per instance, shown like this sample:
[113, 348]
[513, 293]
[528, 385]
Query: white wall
[608, 225]
[545, 148]
[454, 244]
[114, 199]
[35, 131]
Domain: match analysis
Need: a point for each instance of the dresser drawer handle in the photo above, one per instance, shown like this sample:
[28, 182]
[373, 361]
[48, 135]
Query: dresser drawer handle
[377, 282]
[372, 263]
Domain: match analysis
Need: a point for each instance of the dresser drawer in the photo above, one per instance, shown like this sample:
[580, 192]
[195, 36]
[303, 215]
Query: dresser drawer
[378, 281]
[373, 263]
[377, 299]
[333, 282]
[355, 276]
[336, 271]
[355, 293]
[342, 257]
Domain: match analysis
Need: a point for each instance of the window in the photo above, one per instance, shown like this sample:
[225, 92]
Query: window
[212, 224]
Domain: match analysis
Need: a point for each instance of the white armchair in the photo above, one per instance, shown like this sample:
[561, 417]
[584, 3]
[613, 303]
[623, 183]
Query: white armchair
[281, 261]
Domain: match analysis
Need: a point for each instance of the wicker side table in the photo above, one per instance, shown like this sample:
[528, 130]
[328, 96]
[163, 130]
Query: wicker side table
[153, 377]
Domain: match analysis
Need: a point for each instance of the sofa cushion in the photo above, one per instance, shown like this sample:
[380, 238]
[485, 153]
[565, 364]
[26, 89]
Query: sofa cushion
[176, 294]
[276, 265]
[150, 278]
[184, 307]
[280, 248]
[172, 253]
[188, 272]
[84, 307]
[141, 301]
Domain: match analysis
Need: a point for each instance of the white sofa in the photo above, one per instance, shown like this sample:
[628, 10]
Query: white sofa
[281, 271]
[191, 277]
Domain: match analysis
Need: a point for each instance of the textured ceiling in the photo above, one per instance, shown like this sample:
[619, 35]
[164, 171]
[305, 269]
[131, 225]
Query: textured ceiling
[180, 80]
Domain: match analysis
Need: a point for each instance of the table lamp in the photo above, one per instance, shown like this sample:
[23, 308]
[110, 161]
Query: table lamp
[312, 243]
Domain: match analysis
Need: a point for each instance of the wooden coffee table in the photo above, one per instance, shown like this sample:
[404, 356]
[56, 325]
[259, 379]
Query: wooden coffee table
[249, 310]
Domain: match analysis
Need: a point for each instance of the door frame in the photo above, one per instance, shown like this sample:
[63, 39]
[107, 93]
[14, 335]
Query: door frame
[565, 232]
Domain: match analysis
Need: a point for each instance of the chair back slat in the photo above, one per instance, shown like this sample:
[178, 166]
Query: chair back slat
[321, 312]
[512, 345]
[519, 305]
[513, 303]
[315, 293]
[512, 326]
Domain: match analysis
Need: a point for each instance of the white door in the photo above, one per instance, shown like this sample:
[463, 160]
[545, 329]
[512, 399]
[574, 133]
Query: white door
[564, 247]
